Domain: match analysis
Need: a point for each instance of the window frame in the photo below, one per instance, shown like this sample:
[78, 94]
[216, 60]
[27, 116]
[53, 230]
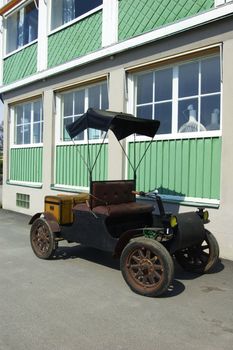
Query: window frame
[132, 106]
[59, 115]
[73, 21]
[13, 124]
[14, 11]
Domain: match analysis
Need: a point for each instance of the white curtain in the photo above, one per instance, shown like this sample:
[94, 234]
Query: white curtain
[68, 10]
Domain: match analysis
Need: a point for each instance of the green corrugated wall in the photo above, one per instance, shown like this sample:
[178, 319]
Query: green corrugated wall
[26, 164]
[140, 16]
[189, 167]
[20, 65]
[76, 40]
[70, 169]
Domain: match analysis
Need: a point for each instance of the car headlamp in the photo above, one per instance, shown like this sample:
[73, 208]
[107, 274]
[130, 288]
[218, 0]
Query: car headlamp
[173, 221]
[205, 215]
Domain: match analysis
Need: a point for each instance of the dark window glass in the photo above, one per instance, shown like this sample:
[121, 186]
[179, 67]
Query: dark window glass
[188, 79]
[36, 133]
[163, 85]
[210, 75]
[145, 88]
[163, 113]
[83, 6]
[94, 96]
[19, 114]
[27, 133]
[210, 112]
[188, 115]
[79, 100]
[37, 112]
[68, 104]
[19, 135]
[144, 112]
[66, 121]
[104, 97]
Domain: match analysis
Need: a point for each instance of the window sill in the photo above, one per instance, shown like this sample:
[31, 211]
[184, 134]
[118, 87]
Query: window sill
[29, 145]
[179, 136]
[20, 49]
[64, 188]
[24, 184]
[75, 20]
[189, 201]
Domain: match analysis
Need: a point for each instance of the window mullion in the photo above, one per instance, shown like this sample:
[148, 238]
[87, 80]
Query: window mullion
[153, 97]
[85, 109]
[175, 91]
[199, 97]
[31, 124]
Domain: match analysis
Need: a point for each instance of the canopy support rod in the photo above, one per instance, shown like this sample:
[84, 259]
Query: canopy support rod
[144, 154]
[81, 156]
[101, 145]
[127, 157]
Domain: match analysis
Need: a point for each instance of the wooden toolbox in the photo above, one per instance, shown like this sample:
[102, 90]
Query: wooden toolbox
[61, 206]
[77, 198]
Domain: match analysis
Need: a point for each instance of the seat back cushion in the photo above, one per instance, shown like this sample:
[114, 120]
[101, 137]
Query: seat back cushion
[112, 192]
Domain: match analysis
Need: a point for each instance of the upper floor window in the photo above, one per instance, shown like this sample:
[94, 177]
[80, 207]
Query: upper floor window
[74, 103]
[184, 97]
[28, 123]
[64, 11]
[21, 27]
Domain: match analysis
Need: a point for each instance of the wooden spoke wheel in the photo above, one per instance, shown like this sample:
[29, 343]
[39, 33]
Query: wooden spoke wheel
[42, 239]
[147, 267]
[200, 258]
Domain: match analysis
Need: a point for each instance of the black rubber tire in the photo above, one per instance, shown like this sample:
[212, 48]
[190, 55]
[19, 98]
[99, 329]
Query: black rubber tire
[201, 258]
[42, 239]
[154, 269]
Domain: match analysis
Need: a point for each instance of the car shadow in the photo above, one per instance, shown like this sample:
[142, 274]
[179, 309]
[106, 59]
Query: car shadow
[87, 253]
[106, 259]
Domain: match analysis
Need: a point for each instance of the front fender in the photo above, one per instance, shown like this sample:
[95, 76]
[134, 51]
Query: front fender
[125, 238]
[190, 231]
[50, 218]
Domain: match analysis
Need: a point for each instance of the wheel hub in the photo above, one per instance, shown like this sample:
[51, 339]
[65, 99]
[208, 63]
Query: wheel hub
[146, 266]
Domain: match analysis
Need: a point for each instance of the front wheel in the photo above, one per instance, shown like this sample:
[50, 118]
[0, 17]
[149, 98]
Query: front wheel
[147, 267]
[42, 239]
[200, 258]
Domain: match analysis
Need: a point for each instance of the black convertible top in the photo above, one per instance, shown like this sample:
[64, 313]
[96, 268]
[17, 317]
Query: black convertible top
[121, 124]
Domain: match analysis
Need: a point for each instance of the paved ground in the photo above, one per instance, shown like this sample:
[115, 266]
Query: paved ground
[80, 301]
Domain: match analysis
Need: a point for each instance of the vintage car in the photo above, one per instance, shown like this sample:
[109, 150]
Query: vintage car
[111, 218]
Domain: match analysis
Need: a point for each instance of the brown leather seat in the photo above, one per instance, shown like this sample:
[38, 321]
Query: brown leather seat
[115, 199]
[131, 208]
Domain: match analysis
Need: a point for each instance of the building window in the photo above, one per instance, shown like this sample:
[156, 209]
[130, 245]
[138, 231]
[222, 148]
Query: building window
[22, 200]
[21, 27]
[74, 103]
[184, 97]
[64, 11]
[28, 123]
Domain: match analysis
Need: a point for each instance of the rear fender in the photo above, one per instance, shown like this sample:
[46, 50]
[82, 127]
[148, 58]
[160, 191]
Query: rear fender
[50, 219]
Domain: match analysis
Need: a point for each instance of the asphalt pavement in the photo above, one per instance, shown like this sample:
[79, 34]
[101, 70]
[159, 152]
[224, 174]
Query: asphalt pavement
[79, 301]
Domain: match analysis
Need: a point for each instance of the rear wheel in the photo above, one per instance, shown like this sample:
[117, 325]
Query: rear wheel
[42, 239]
[147, 267]
[200, 258]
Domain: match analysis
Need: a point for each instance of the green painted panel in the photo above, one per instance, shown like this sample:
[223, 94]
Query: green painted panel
[70, 168]
[140, 16]
[189, 167]
[20, 65]
[26, 164]
[76, 40]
